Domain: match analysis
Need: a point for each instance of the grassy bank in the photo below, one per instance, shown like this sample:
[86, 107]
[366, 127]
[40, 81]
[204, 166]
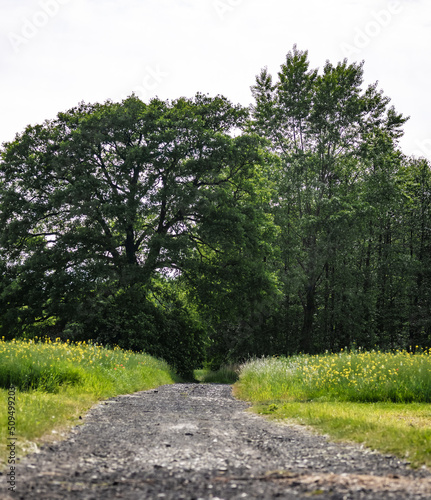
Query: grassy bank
[381, 400]
[55, 383]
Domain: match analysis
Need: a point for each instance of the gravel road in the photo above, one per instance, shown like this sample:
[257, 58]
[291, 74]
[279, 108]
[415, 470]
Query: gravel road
[195, 441]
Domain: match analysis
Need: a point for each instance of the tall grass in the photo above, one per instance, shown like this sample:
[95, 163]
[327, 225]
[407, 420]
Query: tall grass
[375, 376]
[56, 382]
[378, 399]
[48, 366]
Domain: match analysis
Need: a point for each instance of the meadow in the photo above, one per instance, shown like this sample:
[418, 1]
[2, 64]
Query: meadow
[56, 382]
[379, 399]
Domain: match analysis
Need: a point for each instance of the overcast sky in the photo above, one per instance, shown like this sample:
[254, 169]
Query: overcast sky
[56, 53]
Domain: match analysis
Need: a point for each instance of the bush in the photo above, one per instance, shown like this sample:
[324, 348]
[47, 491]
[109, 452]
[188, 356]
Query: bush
[133, 321]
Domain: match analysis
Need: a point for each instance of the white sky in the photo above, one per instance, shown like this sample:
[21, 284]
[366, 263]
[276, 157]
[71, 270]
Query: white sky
[56, 53]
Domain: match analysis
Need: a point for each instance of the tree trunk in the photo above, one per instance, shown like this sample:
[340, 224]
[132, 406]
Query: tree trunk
[309, 306]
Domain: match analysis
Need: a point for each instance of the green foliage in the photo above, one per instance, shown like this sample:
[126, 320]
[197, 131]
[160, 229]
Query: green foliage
[99, 203]
[194, 229]
[122, 190]
[351, 246]
[157, 322]
[46, 366]
[348, 376]
[227, 374]
[29, 376]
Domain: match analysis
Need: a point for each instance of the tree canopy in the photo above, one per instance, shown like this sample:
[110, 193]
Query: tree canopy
[327, 131]
[197, 229]
[108, 196]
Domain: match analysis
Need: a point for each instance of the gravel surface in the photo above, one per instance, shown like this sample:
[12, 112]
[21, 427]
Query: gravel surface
[195, 441]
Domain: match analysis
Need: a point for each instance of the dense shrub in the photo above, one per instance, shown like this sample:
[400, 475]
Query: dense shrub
[134, 320]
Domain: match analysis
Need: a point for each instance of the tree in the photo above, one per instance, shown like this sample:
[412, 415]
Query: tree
[416, 186]
[324, 127]
[108, 196]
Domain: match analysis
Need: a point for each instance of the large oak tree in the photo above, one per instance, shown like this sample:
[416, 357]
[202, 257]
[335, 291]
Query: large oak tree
[107, 196]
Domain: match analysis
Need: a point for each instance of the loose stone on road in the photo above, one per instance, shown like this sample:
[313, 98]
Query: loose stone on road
[195, 441]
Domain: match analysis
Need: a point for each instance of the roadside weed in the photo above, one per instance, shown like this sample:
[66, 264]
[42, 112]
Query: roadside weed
[399, 376]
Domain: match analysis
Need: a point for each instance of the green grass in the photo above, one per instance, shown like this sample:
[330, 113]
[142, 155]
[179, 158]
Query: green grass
[225, 375]
[403, 430]
[58, 382]
[348, 376]
[378, 399]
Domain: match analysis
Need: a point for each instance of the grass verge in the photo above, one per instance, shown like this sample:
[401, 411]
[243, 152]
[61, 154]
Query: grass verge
[349, 396]
[55, 383]
[403, 430]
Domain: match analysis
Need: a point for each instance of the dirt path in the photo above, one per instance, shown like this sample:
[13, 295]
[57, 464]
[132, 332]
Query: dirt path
[191, 441]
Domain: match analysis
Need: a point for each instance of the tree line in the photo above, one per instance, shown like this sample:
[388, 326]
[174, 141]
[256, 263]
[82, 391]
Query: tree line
[198, 230]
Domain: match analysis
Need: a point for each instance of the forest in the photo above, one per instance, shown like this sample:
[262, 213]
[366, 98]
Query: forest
[204, 232]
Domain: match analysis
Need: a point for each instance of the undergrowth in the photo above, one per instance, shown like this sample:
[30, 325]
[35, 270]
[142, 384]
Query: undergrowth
[225, 375]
